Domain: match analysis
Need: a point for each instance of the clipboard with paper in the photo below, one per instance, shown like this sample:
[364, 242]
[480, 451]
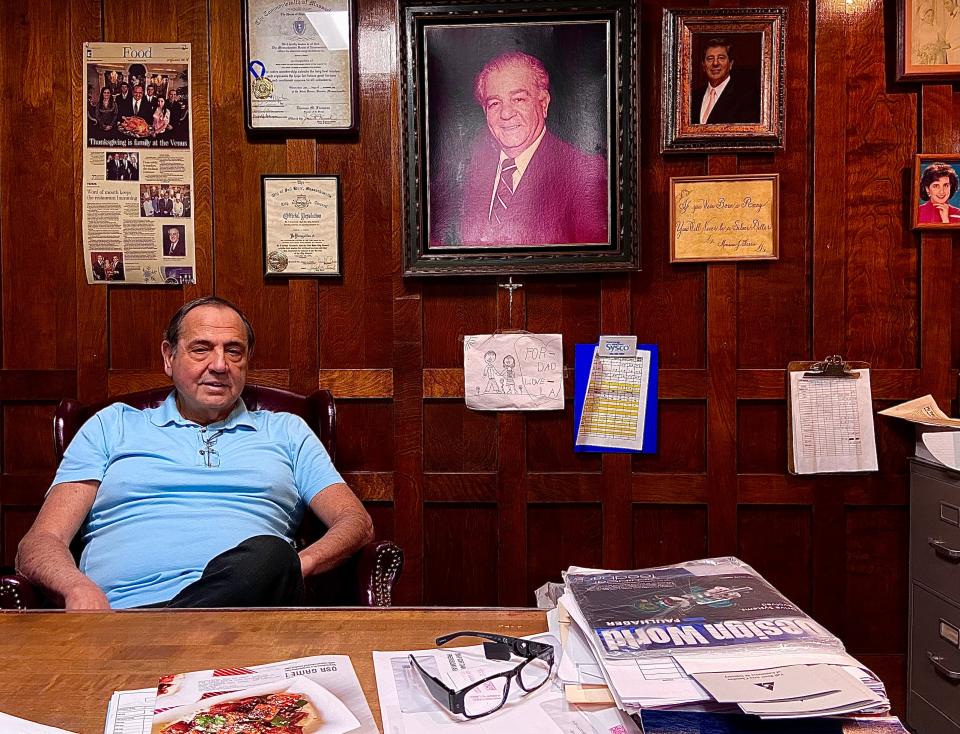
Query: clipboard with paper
[615, 396]
[830, 417]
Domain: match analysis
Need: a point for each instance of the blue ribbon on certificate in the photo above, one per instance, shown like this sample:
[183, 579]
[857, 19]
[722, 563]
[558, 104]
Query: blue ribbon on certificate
[257, 69]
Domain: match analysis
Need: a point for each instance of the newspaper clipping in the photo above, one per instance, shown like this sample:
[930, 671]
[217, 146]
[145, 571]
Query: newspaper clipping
[138, 164]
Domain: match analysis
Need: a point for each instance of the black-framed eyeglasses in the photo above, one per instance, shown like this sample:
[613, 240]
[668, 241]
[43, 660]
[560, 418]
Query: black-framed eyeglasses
[487, 695]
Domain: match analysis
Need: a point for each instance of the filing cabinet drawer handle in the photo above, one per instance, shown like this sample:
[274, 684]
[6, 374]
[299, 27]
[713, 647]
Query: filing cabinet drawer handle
[937, 662]
[941, 549]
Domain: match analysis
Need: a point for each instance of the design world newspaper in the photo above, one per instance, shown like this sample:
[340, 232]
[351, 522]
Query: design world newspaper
[670, 610]
[138, 189]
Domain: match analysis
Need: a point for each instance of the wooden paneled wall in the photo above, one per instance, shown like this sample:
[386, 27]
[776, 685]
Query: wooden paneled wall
[488, 506]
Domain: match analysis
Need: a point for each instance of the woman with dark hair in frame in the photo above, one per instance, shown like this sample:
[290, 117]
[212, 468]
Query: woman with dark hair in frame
[938, 184]
[104, 115]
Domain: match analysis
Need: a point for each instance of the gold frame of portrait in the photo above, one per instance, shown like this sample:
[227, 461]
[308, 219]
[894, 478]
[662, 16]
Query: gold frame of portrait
[737, 191]
[621, 251]
[679, 28]
[919, 161]
[907, 68]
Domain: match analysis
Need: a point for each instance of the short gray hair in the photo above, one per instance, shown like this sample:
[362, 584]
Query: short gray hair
[172, 333]
[511, 58]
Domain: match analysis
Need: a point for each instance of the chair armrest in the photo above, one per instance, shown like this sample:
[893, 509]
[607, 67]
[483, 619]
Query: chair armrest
[18, 592]
[365, 579]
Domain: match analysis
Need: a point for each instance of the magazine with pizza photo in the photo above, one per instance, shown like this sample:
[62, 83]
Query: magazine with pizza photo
[315, 695]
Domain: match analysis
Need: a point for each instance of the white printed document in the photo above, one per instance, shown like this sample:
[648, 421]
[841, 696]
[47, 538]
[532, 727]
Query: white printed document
[832, 423]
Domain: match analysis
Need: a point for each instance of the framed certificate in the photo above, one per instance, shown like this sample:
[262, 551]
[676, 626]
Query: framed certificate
[299, 66]
[301, 225]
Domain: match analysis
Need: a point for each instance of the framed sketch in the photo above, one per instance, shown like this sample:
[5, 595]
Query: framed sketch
[723, 79]
[936, 200]
[720, 218]
[519, 137]
[928, 40]
[300, 66]
[302, 218]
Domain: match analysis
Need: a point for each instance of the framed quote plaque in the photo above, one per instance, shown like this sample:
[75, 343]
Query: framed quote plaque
[300, 65]
[301, 225]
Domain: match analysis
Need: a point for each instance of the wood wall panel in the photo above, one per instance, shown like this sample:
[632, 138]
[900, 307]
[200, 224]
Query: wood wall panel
[364, 435]
[37, 256]
[881, 267]
[875, 604]
[22, 452]
[664, 533]
[457, 439]
[681, 439]
[563, 535]
[773, 302]
[451, 310]
[761, 436]
[776, 542]
[460, 555]
[550, 438]
[476, 498]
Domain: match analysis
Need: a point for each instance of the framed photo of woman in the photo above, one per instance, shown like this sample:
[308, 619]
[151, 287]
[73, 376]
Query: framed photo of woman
[936, 198]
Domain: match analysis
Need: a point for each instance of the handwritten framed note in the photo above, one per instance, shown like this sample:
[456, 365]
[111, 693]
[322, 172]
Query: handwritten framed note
[724, 218]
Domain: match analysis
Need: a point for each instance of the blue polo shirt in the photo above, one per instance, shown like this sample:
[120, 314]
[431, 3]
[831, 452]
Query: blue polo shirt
[161, 514]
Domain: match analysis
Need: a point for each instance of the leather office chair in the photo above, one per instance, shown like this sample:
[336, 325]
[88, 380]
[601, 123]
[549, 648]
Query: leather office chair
[365, 579]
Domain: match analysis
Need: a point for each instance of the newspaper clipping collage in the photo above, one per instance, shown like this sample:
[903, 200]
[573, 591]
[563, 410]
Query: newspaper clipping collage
[138, 200]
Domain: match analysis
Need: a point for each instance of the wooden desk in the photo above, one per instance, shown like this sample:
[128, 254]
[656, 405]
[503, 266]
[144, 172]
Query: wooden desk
[60, 668]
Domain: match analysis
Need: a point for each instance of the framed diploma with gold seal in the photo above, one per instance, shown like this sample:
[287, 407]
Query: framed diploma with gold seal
[301, 225]
[300, 66]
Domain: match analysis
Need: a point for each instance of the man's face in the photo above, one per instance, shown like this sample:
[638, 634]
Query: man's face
[717, 64]
[516, 109]
[150, 90]
[174, 235]
[172, 95]
[124, 89]
[939, 190]
[138, 93]
[209, 363]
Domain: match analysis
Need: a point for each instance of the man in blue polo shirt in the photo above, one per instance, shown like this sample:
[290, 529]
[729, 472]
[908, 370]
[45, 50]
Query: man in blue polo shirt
[193, 503]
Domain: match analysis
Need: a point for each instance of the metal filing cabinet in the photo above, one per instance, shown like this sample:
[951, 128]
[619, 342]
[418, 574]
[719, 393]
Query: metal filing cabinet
[933, 701]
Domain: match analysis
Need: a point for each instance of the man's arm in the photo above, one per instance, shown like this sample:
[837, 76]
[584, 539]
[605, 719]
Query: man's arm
[349, 527]
[44, 553]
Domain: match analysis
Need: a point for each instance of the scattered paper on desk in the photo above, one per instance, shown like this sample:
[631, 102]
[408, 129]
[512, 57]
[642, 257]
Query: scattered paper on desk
[406, 706]
[513, 371]
[772, 684]
[304, 691]
[130, 712]
[832, 423]
[924, 411]
[615, 404]
[13, 725]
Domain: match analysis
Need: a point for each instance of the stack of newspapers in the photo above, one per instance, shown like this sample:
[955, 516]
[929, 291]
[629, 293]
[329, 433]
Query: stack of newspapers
[708, 640]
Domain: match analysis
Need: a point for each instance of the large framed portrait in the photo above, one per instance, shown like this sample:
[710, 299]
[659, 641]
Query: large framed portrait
[936, 198]
[723, 79]
[928, 40]
[519, 137]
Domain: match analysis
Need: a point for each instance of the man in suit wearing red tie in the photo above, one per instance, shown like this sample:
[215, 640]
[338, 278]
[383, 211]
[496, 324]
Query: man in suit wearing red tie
[523, 185]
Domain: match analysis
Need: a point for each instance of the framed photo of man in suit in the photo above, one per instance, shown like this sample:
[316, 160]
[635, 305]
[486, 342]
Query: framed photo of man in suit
[723, 79]
[519, 139]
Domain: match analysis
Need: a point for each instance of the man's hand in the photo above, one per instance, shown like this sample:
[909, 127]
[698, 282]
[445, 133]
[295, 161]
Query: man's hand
[44, 553]
[85, 596]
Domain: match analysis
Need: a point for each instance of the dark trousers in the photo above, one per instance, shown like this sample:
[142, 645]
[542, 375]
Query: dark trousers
[263, 571]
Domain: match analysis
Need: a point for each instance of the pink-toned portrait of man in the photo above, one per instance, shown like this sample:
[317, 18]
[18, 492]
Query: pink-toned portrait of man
[518, 181]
